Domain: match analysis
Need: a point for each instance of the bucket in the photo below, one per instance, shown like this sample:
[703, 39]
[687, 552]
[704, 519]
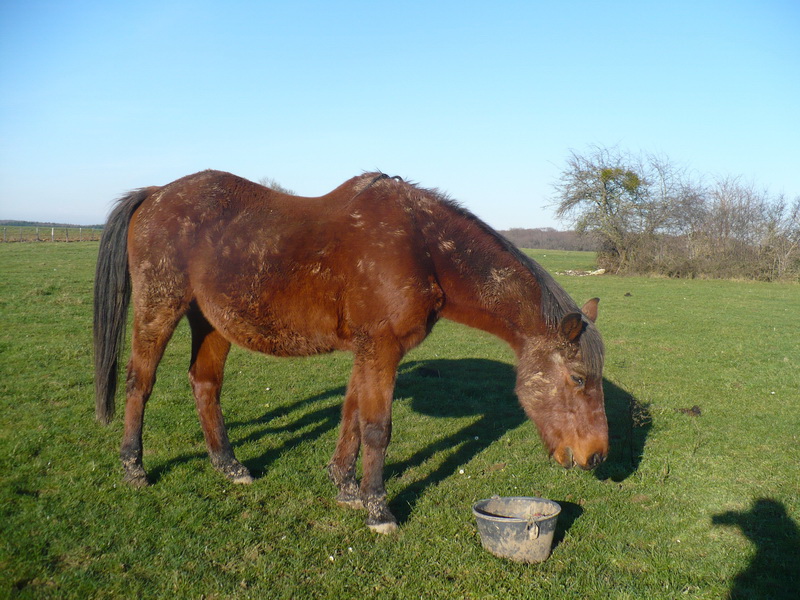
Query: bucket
[517, 528]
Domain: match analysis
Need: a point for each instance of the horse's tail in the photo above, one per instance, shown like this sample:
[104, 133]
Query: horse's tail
[112, 292]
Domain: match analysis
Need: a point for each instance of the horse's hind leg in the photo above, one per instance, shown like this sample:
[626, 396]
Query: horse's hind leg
[209, 352]
[151, 332]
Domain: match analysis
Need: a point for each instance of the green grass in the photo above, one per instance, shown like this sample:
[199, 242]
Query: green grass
[564, 260]
[687, 506]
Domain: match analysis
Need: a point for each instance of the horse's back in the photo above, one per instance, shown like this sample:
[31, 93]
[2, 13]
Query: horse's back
[282, 274]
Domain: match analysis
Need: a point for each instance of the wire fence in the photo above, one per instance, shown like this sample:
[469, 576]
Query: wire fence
[16, 233]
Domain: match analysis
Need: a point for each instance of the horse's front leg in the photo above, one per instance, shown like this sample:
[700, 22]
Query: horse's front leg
[375, 374]
[376, 435]
[342, 467]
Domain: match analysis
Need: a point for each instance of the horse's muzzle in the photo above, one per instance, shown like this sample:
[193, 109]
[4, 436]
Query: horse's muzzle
[566, 458]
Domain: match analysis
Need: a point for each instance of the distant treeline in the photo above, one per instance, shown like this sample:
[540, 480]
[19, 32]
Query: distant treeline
[543, 238]
[547, 238]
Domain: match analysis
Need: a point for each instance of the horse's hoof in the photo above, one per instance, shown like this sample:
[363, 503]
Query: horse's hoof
[386, 528]
[232, 469]
[380, 519]
[350, 501]
[137, 480]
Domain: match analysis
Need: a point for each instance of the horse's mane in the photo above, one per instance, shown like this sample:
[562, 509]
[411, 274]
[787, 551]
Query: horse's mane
[555, 302]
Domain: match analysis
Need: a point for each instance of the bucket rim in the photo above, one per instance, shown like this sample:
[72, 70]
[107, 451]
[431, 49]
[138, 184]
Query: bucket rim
[480, 513]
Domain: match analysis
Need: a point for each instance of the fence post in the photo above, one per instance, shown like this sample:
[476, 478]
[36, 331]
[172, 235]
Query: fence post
[66, 234]
[52, 234]
[4, 234]
[20, 233]
[80, 234]
[37, 235]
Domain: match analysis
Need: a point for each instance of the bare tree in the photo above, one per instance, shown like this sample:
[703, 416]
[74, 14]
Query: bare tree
[598, 193]
[626, 201]
[274, 185]
[783, 240]
[651, 216]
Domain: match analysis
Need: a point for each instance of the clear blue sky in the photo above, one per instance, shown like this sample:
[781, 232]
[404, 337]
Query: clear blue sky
[484, 100]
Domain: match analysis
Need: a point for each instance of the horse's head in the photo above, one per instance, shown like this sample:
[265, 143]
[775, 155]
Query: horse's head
[560, 386]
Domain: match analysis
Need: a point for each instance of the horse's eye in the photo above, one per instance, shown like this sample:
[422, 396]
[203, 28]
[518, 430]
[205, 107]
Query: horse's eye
[578, 380]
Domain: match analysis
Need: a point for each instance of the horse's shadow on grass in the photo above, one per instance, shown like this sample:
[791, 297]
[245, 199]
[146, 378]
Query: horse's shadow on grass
[484, 388]
[477, 388]
[446, 388]
[629, 422]
[300, 425]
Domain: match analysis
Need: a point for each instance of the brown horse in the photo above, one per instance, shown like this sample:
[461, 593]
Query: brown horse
[368, 268]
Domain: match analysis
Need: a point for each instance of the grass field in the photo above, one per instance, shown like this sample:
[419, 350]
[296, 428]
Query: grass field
[693, 502]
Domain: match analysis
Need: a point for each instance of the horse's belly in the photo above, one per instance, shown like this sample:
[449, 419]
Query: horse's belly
[287, 334]
[286, 342]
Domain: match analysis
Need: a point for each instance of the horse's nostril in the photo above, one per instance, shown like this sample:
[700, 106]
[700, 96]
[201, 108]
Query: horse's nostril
[595, 460]
[569, 459]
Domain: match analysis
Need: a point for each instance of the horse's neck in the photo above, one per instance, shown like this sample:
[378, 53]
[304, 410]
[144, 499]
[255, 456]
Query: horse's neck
[485, 285]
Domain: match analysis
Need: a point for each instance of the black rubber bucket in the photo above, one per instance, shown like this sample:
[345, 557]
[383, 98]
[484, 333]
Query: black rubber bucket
[517, 528]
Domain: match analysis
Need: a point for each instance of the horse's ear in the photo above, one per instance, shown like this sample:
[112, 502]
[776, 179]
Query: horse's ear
[571, 326]
[590, 309]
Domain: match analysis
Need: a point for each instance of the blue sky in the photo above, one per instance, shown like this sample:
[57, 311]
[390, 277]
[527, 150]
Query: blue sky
[483, 100]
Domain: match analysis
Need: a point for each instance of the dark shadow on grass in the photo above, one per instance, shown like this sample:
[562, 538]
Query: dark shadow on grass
[570, 512]
[774, 571]
[629, 423]
[453, 389]
[155, 473]
[305, 427]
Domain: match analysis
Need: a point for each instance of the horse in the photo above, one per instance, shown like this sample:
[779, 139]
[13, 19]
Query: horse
[368, 268]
